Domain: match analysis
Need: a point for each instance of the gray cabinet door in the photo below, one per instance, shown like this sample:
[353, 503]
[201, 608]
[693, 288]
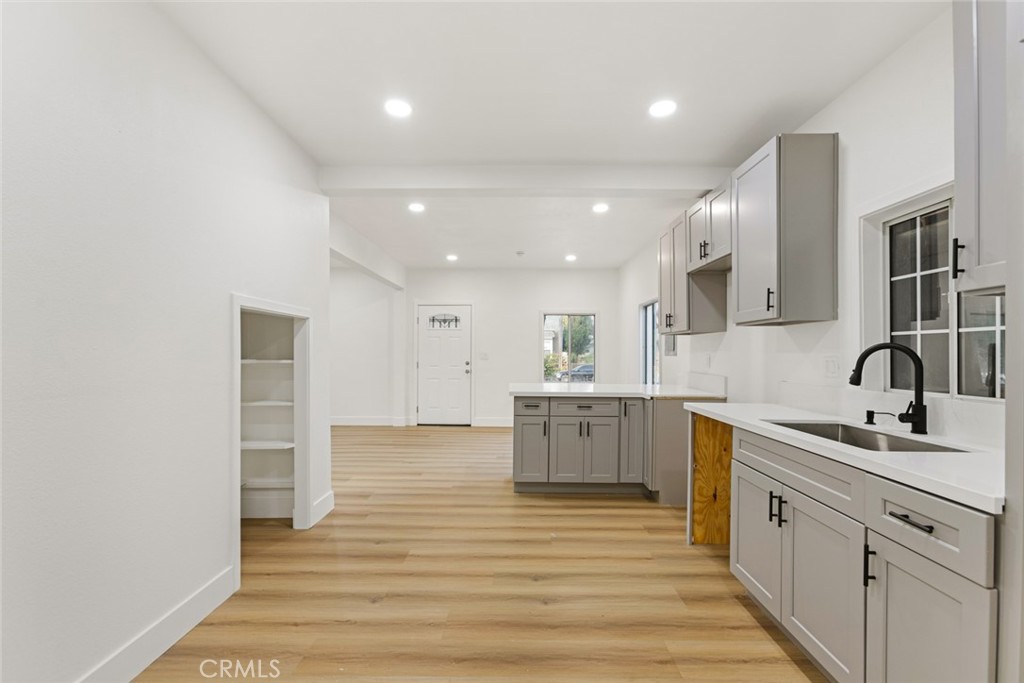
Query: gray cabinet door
[755, 236]
[680, 281]
[565, 454]
[631, 442]
[601, 450]
[755, 552]
[924, 623]
[823, 585]
[980, 141]
[530, 448]
[696, 234]
[665, 283]
[719, 211]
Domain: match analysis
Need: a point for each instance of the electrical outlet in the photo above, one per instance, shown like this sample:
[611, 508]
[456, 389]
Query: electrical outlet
[832, 366]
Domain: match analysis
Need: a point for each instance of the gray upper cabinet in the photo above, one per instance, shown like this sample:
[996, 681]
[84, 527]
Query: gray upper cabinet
[632, 441]
[688, 304]
[980, 43]
[709, 231]
[665, 299]
[924, 622]
[696, 234]
[784, 231]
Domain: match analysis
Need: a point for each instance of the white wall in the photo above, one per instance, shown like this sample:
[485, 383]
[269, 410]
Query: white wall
[141, 188]
[895, 130]
[638, 285]
[363, 343]
[507, 338]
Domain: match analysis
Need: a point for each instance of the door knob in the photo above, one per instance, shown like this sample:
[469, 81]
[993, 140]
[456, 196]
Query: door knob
[467, 362]
[467, 371]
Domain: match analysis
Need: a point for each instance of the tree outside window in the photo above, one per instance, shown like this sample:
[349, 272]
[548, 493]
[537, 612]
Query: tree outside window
[569, 342]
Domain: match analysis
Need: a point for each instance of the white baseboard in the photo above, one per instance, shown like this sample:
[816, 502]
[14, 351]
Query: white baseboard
[322, 507]
[142, 650]
[359, 421]
[492, 422]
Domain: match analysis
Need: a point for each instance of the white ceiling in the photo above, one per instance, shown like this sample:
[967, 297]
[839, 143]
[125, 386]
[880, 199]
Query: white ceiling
[542, 84]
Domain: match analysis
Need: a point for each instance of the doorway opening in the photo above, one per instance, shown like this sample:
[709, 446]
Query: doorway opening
[270, 473]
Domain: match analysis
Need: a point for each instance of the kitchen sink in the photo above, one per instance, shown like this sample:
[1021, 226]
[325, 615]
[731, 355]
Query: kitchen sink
[865, 438]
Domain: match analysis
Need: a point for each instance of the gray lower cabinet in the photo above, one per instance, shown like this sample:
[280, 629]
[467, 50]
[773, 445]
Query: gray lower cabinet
[926, 623]
[601, 450]
[565, 455]
[755, 536]
[896, 588]
[584, 450]
[823, 585]
[530, 448]
[800, 560]
[632, 441]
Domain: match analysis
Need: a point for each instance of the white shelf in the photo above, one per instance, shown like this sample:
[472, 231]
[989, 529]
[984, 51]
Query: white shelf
[264, 404]
[267, 445]
[267, 483]
[260, 361]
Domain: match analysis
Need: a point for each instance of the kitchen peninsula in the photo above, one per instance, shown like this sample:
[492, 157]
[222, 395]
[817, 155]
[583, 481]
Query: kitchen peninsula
[603, 438]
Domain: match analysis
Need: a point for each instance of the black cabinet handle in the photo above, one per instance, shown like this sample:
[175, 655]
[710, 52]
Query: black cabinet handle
[771, 506]
[581, 427]
[580, 406]
[779, 516]
[956, 258]
[625, 409]
[668, 320]
[768, 300]
[588, 429]
[531, 405]
[545, 427]
[867, 554]
[927, 528]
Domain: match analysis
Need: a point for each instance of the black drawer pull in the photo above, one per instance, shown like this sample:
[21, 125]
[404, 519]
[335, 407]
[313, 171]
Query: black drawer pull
[531, 405]
[579, 407]
[927, 528]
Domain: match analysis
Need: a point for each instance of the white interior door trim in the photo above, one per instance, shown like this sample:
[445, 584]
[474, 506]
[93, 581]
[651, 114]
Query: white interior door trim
[303, 505]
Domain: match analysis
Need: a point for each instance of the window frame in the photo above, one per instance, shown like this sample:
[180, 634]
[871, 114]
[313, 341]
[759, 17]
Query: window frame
[951, 330]
[544, 314]
[650, 366]
[875, 314]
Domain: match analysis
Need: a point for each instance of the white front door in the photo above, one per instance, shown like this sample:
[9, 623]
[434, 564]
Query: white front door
[444, 371]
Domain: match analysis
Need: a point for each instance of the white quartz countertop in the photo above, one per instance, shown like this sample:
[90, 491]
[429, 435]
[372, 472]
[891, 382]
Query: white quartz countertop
[974, 478]
[572, 389]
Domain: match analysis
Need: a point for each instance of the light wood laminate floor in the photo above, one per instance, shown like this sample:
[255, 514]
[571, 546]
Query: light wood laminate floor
[430, 570]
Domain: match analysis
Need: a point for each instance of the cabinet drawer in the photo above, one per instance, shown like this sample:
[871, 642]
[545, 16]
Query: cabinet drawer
[952, 535]
[605, 407]
[531, 406]
[832, 483]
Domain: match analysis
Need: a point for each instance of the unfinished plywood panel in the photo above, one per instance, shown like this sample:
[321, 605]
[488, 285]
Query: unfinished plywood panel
[712, 469]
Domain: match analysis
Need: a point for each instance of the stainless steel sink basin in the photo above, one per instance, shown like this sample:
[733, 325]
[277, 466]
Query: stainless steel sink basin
[865, 438]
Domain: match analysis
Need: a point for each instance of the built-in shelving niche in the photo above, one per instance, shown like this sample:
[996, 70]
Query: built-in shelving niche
[267, 415]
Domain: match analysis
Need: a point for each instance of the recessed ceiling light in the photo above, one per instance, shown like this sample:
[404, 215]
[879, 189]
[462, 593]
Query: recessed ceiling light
[400, 109]
[416, 207]
[570, 257]
[601, 208]
[452, 257]
[662, 108]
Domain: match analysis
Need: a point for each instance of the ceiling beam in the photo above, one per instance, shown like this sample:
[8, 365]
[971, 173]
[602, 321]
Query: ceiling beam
[543, 181]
